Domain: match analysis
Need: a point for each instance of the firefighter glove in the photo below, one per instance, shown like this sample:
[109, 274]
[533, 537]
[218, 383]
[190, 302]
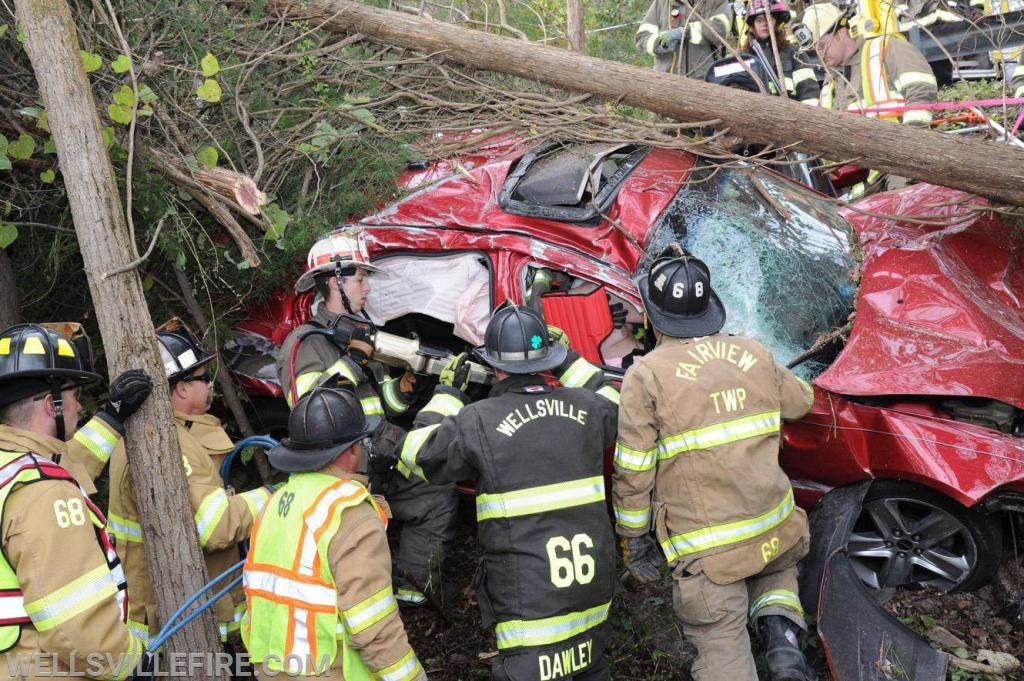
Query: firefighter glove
[556, 335]
[668, 41]
[641, 557]
[410, 386]
[127, 393]
[456, 372]
[360, 346]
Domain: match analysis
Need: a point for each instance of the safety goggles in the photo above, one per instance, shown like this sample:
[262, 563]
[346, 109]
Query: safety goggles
[73, 387]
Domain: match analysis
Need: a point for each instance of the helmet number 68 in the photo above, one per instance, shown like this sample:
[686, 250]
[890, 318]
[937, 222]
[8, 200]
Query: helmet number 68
[568, 562]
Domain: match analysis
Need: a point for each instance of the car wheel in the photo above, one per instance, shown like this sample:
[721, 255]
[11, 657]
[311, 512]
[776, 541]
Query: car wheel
[269, 416]
[915, 537]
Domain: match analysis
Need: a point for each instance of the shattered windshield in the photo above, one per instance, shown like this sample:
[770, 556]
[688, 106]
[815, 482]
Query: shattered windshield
[780, 257]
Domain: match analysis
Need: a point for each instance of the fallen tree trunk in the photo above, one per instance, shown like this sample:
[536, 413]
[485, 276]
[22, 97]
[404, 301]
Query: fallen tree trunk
[175, 560]
[981, 167]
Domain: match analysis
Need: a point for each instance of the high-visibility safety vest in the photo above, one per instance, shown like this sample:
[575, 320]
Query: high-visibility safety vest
[21, 468]
[292, 599]
[875, 92]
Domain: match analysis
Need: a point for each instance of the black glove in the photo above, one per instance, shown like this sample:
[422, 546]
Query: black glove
[456, 373]
[641, 557]
[127, 393]
[360, 346]
[618, 311]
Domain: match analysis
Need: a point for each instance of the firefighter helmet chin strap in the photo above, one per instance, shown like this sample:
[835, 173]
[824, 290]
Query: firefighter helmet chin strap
[341, 271]
[58, 412]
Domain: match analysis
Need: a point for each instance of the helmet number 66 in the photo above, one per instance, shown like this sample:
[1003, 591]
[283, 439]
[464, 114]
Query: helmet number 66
[568, 562]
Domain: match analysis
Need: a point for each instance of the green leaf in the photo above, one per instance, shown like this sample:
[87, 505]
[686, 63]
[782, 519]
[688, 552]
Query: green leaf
[49, 146]
[47, 176]
[19, 32]
[3, 29]
[5, 163]
[3, 144]
[147, 283]
[90, 61]
[146, 94]
[120, 114]
[122, 64]
[209, 91]
[8, 233]
[180, 261]
[324, 135]
[928, 621]
[207, 156]
[21, 147]
[278, 219]
[43, 122]
[108, 136]
[125, 96]
[363, 114]
[209, 65]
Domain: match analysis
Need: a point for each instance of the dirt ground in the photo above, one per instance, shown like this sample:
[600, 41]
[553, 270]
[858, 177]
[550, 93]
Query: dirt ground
[648, 644]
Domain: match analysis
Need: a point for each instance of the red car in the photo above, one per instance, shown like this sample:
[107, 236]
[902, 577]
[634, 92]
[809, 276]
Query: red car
[911, 330]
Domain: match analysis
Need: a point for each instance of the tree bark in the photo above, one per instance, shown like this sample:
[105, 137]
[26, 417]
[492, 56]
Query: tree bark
[175, 561]
[575, 27]
[981, 167]
[10, 313]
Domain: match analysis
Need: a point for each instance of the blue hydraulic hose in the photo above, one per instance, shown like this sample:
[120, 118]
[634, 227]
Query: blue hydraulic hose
[171, 628]
[262, 441]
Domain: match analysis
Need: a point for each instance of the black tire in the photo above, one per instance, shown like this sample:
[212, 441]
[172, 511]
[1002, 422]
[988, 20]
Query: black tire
[268, 416]
[914, 537]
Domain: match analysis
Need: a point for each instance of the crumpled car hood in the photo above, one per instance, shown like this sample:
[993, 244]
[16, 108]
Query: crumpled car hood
[940, 308]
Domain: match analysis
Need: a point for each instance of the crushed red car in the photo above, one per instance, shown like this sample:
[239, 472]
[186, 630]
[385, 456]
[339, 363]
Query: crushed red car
[911, 330]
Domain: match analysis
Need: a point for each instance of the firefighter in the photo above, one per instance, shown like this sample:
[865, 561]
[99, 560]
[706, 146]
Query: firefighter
[222, 519]
[767, 17]
[339, 269]
[62, 585]
[319, 556]
[868, 75]
[699, 426]
[546, 577]
[684, 37]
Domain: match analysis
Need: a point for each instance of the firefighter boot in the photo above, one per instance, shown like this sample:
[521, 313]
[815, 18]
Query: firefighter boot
[780, 638]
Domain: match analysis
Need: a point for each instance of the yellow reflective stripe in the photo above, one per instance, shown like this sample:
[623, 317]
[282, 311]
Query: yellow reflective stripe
[131, 659]
[540, 499]
[717, 536]
[371, 406]
[914, 77]
[609, 393]
[696, 33]
[414, 441]
[72, 599]
[211, 510]
[652, 38]
[304, 383]
[578, 373]
[780, 597]
[517, 633]
[407, 667]
[810, 101]
[389, 391]
[124, 529]
[917, 116]
[98, 439]
[139, 631]
[719, 434]
[1019, 92]
[255, 500]
[368, 612]
[788, 82]
[410, 595]
[443, 404]
[800, 75]
[634, 459]
[724, 21]
[634, 519]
